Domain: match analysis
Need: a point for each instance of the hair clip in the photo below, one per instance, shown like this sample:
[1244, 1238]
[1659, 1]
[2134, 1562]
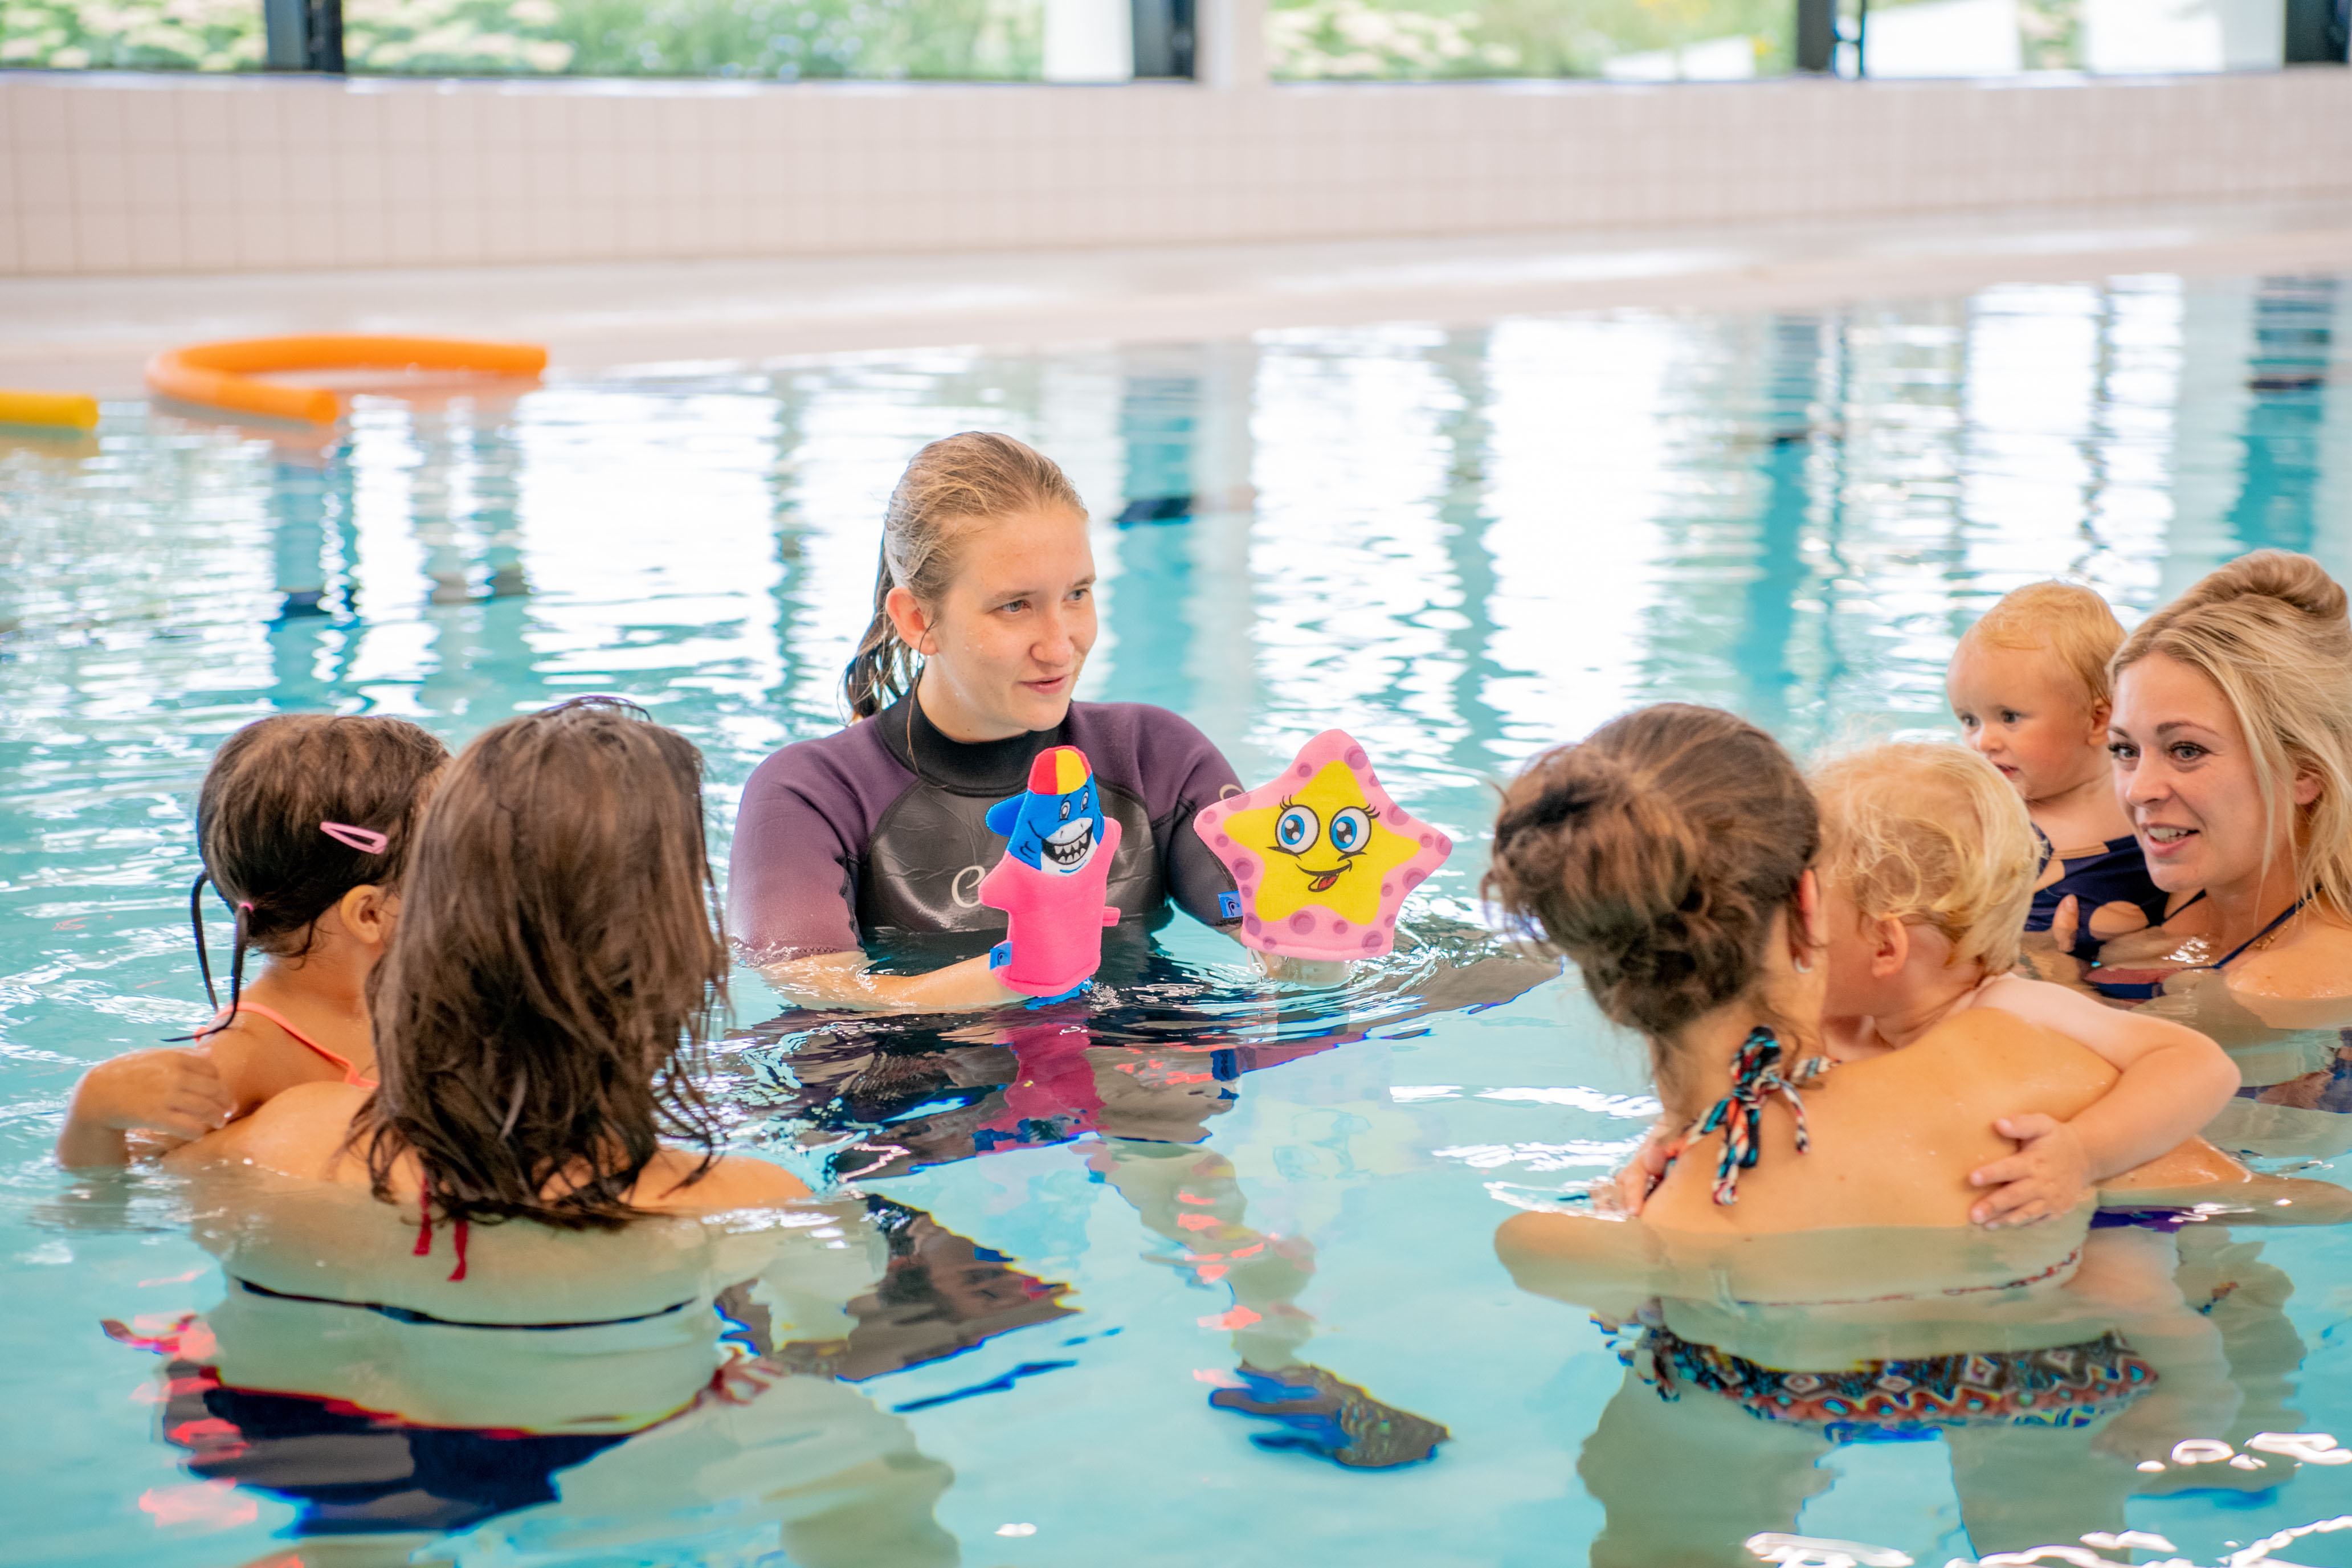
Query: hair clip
[366, 841]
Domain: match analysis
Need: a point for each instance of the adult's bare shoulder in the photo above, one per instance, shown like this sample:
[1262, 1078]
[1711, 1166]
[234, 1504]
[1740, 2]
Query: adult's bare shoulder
[734, 1181]
[2304, 982]
[300, 1133]
[1996, 1061]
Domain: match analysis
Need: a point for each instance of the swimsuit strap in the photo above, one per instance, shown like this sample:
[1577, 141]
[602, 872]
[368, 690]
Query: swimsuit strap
[221, 1021]
[2284, 915]
[2147, 990]
[1755, 1073]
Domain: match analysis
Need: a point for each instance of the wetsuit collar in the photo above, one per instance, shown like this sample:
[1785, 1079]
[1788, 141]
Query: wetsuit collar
[993, 768]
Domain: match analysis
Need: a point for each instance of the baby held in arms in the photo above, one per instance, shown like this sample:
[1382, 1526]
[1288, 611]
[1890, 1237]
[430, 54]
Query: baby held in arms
[1928, 864]
[2029, 684]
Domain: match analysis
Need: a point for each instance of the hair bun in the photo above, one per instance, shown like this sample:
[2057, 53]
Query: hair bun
[1656, 855]
[2295, 581]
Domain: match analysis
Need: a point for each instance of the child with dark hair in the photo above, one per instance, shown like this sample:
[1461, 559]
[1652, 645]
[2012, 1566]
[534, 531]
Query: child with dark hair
[556, 970]
[304, 824]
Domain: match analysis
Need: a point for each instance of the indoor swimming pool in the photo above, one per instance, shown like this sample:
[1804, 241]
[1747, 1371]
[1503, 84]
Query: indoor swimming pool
[1071, 1240]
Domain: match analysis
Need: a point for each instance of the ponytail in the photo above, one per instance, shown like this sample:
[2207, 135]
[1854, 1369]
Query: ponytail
[884, 667]
[974, 477]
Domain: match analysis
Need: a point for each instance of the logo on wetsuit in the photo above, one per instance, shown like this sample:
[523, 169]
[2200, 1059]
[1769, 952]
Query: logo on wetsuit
[1056, 827]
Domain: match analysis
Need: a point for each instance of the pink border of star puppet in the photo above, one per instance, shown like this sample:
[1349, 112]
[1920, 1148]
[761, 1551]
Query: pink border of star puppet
[1313, 929]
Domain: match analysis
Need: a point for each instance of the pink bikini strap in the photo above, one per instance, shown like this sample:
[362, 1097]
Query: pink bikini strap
[350, 1074]
[424, 1247]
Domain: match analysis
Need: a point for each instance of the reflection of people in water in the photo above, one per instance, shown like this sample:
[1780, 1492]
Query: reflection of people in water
[1145, 1077]
[593, 1400]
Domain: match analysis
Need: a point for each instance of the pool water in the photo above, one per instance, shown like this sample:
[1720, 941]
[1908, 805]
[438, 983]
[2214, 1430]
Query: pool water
[1079, 1224]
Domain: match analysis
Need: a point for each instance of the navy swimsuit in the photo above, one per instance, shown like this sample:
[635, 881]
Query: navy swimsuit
[2116, 873]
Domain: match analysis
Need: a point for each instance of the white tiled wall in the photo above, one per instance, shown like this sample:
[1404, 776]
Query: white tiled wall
[104, 174]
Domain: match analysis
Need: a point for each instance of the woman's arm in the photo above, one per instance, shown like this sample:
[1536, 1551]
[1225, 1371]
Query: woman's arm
[844, 980]
[2173, 1080]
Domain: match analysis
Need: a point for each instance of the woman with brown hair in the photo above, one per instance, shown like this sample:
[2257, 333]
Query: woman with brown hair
[984, 617]
[1671, 858]
[1806, 1269]
[2233, 737]
[552, 978]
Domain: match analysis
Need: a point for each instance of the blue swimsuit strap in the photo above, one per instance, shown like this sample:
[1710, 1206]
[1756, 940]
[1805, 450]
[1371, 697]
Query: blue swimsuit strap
[2143, 990]
[2284, 915]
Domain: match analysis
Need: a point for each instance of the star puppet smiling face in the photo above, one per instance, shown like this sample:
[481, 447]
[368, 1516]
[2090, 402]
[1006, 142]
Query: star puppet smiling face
[1322, 857]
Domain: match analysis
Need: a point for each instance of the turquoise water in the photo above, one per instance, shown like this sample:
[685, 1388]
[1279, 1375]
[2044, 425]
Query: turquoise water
[1463, 544]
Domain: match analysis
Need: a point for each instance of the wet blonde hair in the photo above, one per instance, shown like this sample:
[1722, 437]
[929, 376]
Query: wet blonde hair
[975, 477]
[2270, 630]
[2070, 621]
[1930, 835]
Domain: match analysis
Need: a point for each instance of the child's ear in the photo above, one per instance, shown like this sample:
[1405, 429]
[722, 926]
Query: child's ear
[2101, 712]
[1890, 947]
[367, 912]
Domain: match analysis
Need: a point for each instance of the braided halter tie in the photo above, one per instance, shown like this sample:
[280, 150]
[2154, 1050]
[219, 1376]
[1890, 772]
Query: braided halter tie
[1755, 1073]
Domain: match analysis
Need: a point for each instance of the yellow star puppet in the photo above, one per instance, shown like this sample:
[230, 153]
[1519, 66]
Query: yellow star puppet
[1322, 857]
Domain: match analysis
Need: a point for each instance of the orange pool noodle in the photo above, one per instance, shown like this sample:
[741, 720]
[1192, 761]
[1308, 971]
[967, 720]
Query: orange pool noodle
[220, 375]
[70, 409]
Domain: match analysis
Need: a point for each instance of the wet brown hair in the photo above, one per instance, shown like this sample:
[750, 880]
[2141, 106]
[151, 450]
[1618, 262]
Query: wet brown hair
[558, 965]
[270, 787]
[1655, 856]
[975, 477]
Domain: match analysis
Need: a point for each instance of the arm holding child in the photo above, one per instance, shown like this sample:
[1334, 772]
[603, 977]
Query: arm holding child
[2174, 1082]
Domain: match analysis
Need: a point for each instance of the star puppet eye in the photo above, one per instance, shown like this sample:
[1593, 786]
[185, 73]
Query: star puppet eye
[1297, 828]
[1350, 830]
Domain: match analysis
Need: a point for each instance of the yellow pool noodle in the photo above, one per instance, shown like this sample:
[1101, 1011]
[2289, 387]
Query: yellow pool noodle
[70, 409]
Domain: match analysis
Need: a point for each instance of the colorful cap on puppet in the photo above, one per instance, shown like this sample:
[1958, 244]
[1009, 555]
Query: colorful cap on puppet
[1055, 825]
[1322, 858]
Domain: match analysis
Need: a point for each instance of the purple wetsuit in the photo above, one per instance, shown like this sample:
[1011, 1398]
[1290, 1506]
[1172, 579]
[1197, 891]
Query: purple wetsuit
[882, 826]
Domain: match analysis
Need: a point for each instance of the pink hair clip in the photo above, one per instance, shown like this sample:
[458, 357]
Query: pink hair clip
[366, 841]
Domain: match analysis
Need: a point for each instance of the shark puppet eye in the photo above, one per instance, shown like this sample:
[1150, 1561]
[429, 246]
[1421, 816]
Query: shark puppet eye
[1296, 828]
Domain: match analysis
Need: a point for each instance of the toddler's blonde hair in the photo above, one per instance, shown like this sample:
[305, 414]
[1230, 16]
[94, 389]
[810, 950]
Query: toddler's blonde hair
[1930, 835]
[2071, 621]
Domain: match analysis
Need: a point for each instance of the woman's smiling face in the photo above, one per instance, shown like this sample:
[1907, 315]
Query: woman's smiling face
[2186, 776]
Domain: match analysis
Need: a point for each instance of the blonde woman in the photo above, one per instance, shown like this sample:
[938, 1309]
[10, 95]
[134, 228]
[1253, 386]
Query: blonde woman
[2232, 738]
[984, 617]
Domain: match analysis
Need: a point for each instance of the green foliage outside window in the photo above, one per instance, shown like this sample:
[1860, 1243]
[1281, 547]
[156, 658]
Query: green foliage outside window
[1441, 38]
[770, 39]
[131, 35]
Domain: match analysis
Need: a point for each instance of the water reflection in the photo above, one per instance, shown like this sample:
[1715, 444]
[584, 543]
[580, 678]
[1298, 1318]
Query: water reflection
[2148, 1359]
[574, 1397]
